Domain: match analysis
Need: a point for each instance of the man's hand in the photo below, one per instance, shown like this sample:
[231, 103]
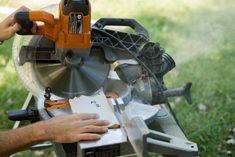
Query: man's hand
[73, 128]
[9, 27]
[61, 129]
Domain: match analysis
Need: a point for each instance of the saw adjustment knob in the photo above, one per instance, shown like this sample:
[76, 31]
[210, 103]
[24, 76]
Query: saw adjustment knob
[48, 90]
[47, 94]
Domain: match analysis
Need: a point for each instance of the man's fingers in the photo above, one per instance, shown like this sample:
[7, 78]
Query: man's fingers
[94, 122]
[87, 137]
[34, 28]
[10, 20]
[23, 8]
[13, 29]
[93, 129]
[10, 31]
[87, 116]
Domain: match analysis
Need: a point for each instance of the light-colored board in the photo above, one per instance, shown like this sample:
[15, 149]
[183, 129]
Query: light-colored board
[97, 104]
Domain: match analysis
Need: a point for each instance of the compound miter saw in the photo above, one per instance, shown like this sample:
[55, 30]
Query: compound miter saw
[68, 58]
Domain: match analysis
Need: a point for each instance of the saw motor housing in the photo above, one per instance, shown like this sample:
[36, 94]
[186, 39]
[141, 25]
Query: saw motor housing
[71, 32]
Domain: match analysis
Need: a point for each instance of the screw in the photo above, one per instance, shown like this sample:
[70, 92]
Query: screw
[79, 17]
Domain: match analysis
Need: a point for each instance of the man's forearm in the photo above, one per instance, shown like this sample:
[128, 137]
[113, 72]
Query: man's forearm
[19, 139]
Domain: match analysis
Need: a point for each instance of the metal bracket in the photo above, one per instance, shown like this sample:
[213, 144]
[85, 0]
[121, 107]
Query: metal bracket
[145, 140]
[169, 145]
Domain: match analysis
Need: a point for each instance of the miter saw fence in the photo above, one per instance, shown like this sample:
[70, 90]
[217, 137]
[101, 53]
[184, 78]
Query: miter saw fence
[67, 57]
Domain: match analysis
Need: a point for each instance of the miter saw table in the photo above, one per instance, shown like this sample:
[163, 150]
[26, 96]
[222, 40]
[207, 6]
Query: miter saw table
[67, 58]
[168, 138]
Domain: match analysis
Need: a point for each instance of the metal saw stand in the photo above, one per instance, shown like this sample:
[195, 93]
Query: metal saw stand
[162, 136]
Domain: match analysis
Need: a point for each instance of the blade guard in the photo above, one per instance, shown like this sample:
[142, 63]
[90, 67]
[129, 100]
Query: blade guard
[63, 31]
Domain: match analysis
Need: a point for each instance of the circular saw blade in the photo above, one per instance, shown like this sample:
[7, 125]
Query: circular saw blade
[70, 81]
[66, 82]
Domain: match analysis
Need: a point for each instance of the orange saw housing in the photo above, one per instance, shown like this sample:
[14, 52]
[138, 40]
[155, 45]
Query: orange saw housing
[68, 31]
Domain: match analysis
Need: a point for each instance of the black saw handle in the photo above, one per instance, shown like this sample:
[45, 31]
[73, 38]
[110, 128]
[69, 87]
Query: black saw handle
[22, 18]
[139, 29]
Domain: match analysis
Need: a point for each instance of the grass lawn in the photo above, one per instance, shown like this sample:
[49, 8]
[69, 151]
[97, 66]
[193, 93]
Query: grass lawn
[200, 35]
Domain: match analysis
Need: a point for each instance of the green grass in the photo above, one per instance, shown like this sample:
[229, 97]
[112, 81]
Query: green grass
[213, 86]
[12, 92]
[200, 35]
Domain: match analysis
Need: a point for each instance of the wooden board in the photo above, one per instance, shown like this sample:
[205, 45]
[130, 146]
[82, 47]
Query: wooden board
[97, 104]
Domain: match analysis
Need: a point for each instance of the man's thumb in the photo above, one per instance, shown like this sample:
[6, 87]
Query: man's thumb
[16, 27]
